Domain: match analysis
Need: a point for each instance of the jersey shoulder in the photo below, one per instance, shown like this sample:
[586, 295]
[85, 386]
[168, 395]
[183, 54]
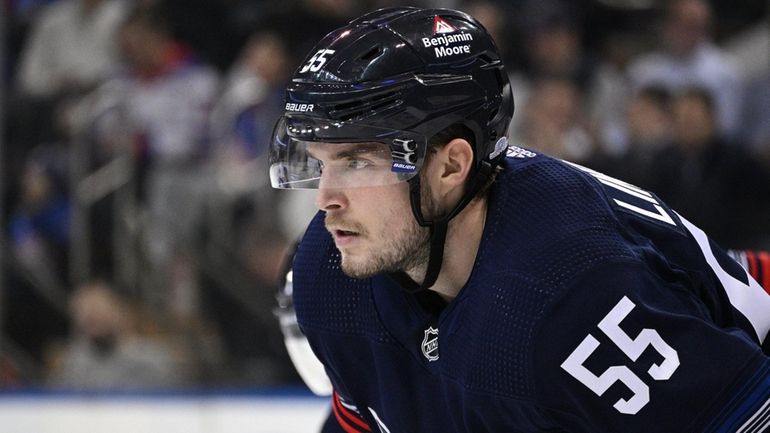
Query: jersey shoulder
[550, 225]
[547, 224]
[617, 300]
[550, 220]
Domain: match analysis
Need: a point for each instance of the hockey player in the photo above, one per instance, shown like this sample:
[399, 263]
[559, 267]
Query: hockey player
[454, 283]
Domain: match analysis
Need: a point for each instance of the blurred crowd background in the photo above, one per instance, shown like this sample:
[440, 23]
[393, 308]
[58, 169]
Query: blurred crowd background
[141, 242]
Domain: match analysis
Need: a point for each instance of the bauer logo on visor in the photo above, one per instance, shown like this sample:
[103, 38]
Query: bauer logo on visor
[404, 155]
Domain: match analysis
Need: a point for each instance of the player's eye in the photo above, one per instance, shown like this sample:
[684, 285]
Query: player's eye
[357, 164]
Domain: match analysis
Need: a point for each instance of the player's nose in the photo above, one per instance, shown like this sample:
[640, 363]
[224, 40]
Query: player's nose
[331, 199]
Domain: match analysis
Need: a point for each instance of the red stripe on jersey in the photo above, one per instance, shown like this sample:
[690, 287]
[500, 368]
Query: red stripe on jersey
[764, 270]
[751, 260]
[341, 421]
[345, 416]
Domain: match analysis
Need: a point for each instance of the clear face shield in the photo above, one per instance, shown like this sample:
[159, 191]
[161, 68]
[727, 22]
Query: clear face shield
[308, 153]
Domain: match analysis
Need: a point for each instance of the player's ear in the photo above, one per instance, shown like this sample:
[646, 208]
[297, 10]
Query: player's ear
[456, 162]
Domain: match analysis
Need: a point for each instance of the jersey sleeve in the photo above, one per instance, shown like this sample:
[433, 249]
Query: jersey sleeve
[344, 418]
[347, 417]
[625, 349]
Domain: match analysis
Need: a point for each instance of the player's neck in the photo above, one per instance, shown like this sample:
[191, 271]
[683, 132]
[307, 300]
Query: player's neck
[460, 249]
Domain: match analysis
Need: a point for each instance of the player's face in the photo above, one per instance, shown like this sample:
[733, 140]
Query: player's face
[373, 227]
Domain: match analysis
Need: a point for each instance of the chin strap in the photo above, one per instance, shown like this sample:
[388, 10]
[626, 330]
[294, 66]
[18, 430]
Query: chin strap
[438, 227]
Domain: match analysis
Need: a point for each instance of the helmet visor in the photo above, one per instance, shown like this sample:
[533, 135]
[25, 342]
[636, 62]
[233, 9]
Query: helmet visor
[310, 154]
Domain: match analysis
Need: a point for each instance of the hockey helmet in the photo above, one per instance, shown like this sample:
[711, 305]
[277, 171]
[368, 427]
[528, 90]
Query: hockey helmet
[383, 85]
[364, 104]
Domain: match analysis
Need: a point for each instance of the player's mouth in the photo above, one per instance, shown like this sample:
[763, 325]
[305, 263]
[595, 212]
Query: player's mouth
[344, 237]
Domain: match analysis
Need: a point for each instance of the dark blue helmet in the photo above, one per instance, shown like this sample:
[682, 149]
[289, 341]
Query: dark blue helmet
[400, 73]
[385, 84]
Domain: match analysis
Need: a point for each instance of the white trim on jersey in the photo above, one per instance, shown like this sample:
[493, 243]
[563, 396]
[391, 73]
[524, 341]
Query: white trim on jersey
[348, 406]
[752, 300]
[759, 422]
[740, 257]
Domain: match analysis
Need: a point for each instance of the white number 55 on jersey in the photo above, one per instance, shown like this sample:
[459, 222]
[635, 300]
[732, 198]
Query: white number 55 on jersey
[633, 348]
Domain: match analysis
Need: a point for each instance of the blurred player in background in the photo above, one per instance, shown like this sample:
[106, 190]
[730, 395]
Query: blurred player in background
[452, 282]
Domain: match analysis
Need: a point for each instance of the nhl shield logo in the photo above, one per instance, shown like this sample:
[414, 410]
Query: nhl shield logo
[430, 344]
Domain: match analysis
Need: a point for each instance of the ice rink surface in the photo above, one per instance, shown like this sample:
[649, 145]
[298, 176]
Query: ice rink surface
[253, 412]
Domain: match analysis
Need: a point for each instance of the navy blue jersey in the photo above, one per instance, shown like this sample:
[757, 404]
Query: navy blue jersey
[591, 307]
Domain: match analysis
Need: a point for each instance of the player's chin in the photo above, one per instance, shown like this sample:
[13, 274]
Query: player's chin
[355, 267]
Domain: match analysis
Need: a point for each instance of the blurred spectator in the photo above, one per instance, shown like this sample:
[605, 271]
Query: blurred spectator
[751, 47]
[241, 125]
[718, 187]
[252, 96]
[755, 117]
[610, 92]
[554, 42]
[649, 120]
[161, 107]
[20, 16]
[39, 225]
[552, 121]
[204, 26]
[71, 47]
[35, 269]
[68, 51]
[649, 130]
[168, 91]
[688, 58]
[105, 352]
[552, 50]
